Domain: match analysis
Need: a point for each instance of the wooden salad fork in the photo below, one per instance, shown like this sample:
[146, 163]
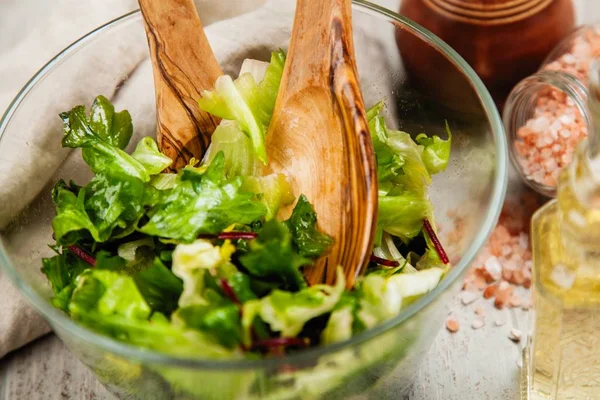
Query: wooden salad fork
[319, 136]
[184, 65]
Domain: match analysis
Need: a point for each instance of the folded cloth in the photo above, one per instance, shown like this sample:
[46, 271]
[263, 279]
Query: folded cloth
[29, 37]
[35, 157]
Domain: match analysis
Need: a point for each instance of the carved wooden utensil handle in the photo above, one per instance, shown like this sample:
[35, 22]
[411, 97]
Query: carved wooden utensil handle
[184, 65]
[320, 102]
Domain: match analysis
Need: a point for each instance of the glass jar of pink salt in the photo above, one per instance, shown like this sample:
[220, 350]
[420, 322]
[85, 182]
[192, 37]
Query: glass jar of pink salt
[546, 114]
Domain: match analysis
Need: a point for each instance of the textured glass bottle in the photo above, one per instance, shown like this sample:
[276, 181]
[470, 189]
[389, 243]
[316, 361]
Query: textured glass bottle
[562, 360]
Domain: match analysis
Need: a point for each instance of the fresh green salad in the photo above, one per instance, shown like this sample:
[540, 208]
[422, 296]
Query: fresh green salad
[195, 263]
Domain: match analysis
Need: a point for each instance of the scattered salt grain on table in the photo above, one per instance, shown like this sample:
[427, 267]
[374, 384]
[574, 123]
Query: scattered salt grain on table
[477, 323]
[468, 297]
[452, 324]
[503, 265]
[515, 335]
[505, 261]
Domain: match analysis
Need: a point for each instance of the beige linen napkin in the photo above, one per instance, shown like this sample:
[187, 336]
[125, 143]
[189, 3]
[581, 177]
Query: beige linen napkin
[232, 40]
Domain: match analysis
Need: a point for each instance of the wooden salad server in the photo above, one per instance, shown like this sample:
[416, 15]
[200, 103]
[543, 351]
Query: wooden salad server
[184, 65]
[319, 136]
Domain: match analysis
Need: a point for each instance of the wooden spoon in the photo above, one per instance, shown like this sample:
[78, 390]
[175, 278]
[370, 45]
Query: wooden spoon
[184, 65]
[319, 135]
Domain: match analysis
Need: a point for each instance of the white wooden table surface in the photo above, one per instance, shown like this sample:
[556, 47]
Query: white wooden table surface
[471, 364]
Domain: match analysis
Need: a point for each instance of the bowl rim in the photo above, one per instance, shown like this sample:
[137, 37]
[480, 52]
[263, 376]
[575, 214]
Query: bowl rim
[58, 319]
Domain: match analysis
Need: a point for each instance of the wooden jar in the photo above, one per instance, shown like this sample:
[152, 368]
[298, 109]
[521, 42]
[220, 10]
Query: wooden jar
[503, 40]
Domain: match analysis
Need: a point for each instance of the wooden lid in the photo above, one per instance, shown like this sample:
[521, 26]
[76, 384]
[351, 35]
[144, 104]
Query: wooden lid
[487, 12]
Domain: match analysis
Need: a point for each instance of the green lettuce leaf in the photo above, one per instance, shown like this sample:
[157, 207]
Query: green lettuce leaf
[114, 199]
[219, 320]
[61, 271]
[415, 177]
[110, 303]
[339, 326]
[202, 203]
[403, 215]
[160, 288]
[147, 153]
[382, 298]
[192, 261]
[108, 293]
[114, 128]
[247, 102]
[436, 154]
[202, 306]
[273, 191]
[241, 285]
[240, 158]
[288, 312]
[303, 226]
[399, 157]
[71, 222]
[114, 205]
[271, 256]
[101, 152]
[389, 164]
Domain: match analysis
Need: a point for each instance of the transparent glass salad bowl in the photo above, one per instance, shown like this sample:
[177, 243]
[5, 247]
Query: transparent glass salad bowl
[113, 60]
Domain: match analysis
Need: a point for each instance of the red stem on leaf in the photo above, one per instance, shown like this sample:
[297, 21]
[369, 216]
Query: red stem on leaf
[436, 242]
[81, 254]
[384, 262]
[229, 292]
[230, 235]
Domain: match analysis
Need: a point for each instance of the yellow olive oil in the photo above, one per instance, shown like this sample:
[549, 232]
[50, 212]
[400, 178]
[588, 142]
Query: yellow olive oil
[562, 360]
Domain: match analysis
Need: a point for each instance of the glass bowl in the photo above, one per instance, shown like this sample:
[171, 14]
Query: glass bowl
[113, 60]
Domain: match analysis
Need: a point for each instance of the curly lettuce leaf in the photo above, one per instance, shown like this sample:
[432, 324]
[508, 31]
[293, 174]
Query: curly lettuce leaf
[339, 325]
[110, 303]
[404, 179]
[272, 257]
[61, 271]
[403, 215]
[382, 298]
[240, 159]
[436, 153]
[303, 226]
[414, 177]
[157, 284]
[147, 153]
[389, 164]
[219, 320]
[71, 222]
[107, 293]
[273, 191]
[160, 288]
[114, 199]
[247, 102]
[287, 312]
[114, 205]
[202, 306]
[199, 202]
[99, 151]
[190, 264]
[115, 128]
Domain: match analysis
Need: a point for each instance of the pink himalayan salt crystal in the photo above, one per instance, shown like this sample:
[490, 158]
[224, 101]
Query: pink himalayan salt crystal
[509, 250]
[452, 324]
[547, 141]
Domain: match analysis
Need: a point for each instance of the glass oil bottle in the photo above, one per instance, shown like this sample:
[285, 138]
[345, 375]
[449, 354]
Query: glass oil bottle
[562, 359]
